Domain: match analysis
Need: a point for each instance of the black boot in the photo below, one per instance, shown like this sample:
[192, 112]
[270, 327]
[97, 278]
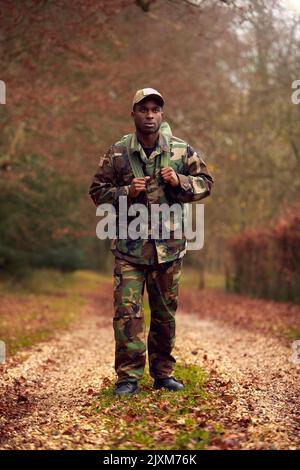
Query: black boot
[170, 383]
[126, 388]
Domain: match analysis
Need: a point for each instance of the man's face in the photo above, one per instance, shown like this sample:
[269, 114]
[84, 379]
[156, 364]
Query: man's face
[147, 116]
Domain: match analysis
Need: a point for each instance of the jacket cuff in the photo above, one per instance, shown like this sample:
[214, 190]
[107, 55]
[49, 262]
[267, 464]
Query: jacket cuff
[184, 182]
[184, 185]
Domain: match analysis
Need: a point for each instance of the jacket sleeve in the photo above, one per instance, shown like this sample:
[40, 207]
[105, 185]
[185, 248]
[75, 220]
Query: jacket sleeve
[196, 183]
[104, 188]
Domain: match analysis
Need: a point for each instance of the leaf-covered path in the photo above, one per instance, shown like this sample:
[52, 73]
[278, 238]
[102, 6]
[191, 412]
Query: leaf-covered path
[46, 391]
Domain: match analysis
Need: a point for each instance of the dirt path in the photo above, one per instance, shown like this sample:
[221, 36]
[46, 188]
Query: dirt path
[258, 386]
[47, 391]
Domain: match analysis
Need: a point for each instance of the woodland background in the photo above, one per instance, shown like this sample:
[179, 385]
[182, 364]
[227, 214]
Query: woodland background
[225, 69]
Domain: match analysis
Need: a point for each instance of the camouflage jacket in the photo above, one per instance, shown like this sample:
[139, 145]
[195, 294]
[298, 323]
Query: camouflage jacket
[113, 179]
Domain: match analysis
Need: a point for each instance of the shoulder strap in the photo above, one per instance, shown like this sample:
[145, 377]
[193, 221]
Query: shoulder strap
[135, 163]
[165, 158]
[165, 129]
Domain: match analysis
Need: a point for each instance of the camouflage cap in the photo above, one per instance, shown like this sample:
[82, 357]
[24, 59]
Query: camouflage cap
[145, 93]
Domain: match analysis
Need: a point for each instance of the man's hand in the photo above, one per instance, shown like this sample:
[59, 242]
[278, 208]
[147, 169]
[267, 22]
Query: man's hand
[170, 176]
[138, 185]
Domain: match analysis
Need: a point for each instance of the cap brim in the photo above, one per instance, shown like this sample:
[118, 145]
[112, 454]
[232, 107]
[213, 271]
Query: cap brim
[154, 97]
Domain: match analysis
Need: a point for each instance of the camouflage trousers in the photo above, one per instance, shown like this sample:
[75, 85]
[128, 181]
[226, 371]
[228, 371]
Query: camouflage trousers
[162, 282]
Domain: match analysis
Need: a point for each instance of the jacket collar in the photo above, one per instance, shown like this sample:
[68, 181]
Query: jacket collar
[164, 136]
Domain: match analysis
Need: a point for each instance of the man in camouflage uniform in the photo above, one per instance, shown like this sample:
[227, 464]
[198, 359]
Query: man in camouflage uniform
[150, 166]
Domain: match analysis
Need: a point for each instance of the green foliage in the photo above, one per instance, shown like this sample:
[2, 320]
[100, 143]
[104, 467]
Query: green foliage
[40, 218]
[42, 303]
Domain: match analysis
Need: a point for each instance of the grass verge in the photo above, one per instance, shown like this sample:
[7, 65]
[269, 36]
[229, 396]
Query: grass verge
[292, 333]
[159, 419]
[190, 278]
[32, 310]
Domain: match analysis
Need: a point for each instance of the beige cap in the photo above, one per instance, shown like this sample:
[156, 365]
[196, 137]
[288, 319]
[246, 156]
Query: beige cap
[146, 92]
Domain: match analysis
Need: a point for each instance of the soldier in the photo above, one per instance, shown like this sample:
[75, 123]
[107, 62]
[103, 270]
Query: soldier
[150, 166]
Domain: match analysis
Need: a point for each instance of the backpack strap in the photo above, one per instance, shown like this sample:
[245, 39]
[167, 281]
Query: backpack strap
[136, 166]
[166, 132]
[135, 162]
[166, 156]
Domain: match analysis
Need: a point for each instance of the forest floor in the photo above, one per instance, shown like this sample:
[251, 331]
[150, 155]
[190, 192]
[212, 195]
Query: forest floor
[233, 353]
